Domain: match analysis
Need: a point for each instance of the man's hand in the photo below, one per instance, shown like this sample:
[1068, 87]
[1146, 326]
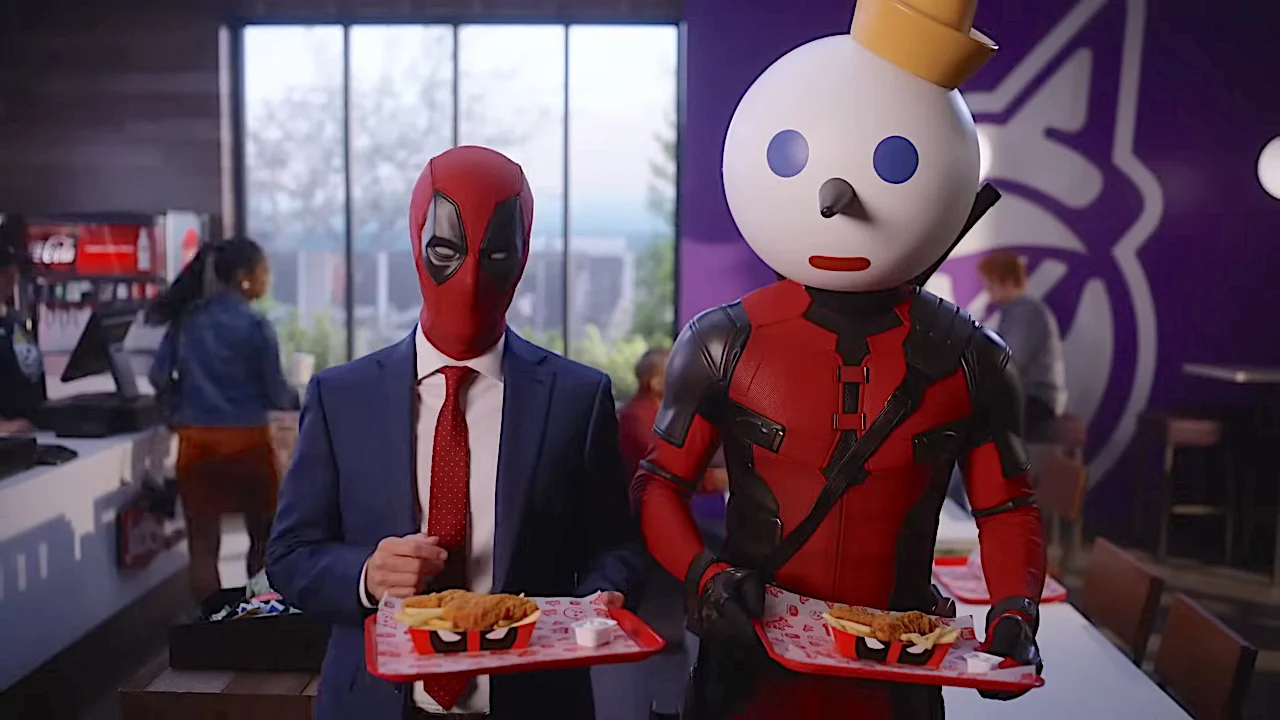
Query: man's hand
[1011, 637]
[729, 603]
[399, 566]
[612, 600]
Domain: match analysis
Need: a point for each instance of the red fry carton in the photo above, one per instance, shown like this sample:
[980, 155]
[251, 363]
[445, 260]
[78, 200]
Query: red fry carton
[434, 641]
[855, 640]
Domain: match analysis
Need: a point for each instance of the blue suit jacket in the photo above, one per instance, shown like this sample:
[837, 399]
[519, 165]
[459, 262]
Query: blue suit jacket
[563, 526]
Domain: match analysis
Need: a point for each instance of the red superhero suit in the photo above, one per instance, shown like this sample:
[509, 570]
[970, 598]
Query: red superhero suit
[470, 217]
[789, 379]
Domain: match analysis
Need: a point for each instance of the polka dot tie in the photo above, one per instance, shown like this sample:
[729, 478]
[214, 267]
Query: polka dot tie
[447, 506]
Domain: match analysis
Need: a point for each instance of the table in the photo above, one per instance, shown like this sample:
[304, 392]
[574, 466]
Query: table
[1085, 677]
[160, 692]
[957, 532]
[58, 574]
[1267, 381]
[1238, 374]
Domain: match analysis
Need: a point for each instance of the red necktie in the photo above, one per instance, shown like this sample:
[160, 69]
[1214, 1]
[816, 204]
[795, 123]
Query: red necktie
[447, 506]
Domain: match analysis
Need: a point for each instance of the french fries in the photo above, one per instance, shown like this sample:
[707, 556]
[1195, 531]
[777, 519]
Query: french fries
[849, 626]
[940, 636]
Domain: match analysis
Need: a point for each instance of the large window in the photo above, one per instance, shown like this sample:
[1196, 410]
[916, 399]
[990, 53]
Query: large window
[622, 155]
[588, 111]
[401, 116]
[511, 98]
[295, 198]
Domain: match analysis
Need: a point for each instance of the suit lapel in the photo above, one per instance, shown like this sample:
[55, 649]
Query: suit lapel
[395, 459]
[527, 386]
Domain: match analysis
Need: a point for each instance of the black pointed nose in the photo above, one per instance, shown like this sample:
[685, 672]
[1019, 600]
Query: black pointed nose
[837, 197]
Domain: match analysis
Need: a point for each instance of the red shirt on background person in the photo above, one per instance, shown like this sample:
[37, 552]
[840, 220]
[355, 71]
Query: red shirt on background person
[636, 418]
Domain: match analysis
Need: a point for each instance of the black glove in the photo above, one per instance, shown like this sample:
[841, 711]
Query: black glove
[1012, 637]
[728, 604]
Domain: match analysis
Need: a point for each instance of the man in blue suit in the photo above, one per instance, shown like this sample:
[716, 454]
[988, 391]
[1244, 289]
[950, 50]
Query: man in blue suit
[463, 456]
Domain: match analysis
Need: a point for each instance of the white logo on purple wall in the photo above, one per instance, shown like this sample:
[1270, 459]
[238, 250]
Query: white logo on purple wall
[1079, 204]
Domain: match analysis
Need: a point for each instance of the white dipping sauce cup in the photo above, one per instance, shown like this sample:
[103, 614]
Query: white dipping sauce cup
[594, 632]
[980, 662]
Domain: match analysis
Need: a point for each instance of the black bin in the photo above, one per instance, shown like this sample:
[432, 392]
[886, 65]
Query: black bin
[274, 643]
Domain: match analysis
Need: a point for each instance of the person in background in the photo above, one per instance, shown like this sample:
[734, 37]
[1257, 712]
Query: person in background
[21, 365]
[663, 604]
[1035, 342]
[636, 416]
[218, 366]
[635, 423]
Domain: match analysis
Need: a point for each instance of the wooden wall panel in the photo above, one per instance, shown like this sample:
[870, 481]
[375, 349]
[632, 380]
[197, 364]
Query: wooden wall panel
[109, 110]
[115, 104]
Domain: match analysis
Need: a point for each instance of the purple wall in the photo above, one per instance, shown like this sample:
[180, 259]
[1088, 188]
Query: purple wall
[1130, 182]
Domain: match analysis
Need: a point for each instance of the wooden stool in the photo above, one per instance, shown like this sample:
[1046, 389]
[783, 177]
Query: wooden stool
[1060, 487]
[1122, 595]
[1179, 433]
[1205, 666]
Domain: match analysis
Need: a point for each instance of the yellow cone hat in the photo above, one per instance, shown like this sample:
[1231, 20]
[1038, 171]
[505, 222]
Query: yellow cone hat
[931, 39]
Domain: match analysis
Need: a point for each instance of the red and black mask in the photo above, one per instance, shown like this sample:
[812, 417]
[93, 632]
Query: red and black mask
[469, 221]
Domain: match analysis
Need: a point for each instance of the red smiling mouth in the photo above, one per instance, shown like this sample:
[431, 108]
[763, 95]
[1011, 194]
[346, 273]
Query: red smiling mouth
[839, 264]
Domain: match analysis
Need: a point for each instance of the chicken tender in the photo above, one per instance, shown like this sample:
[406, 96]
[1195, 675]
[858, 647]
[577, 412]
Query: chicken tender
[434, 600]
[485, 612]
[917, 622]
[859, 615]
[886, 627]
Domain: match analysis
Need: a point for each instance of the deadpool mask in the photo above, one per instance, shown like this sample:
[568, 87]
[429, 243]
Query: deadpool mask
[469, 222]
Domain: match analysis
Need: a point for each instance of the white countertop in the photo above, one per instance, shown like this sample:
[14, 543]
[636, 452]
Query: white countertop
[58, 572]
[1085, 678]
[957, 532]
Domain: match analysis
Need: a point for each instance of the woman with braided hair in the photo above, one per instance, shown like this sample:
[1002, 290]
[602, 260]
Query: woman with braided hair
[219, 368]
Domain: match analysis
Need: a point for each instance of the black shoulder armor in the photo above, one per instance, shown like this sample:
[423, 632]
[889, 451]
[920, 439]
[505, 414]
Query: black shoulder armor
[699, 368]
[996, 394]
[939, 334]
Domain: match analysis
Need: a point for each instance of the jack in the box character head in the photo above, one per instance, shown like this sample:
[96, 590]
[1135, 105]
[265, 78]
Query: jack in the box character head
[851, 164]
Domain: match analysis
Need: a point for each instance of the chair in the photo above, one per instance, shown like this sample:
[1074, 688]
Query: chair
[1060, 488]
[1122, 595]
[1179, 433]
[1203, 664]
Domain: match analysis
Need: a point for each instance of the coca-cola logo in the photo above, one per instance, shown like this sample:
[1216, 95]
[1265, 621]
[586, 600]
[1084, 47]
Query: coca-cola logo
[54, 250]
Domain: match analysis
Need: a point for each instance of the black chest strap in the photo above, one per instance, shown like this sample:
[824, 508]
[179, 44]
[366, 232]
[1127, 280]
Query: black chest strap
[938, 336]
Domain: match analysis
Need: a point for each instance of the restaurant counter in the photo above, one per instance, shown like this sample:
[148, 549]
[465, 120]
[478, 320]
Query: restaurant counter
[59, 574]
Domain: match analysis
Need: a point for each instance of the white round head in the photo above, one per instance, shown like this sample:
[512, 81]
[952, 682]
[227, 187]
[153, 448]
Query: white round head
[845, 172]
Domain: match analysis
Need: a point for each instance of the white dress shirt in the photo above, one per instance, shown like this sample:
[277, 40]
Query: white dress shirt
[483, 407]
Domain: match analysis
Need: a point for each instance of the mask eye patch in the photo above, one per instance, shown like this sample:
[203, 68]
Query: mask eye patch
[502, 250]
[444, 244]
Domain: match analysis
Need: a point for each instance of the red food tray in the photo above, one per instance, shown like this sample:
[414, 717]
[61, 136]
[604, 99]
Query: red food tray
[958, 579]
[795, 634]
[389, 652]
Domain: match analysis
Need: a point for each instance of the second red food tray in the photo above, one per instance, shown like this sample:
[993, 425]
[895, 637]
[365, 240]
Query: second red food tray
[390, 655]
[958, 580]
[795, 634]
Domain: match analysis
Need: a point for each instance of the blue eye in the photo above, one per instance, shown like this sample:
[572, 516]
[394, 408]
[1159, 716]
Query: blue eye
[788, 153]
[895, 159]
